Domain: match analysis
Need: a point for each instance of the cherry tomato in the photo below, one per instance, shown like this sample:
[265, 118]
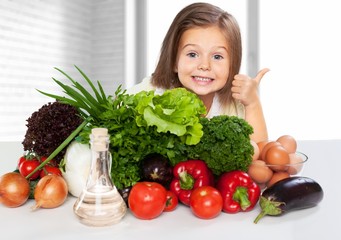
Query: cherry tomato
[21, 160]
[50, 170]
[147, 200]
[172, 202]
[52, 162]
[26, 167]
[206, 202]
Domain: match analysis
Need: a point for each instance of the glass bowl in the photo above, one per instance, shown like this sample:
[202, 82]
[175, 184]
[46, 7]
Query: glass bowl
[266, 175]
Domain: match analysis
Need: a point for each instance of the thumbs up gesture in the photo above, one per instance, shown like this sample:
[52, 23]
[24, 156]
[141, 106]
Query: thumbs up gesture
[245, 89]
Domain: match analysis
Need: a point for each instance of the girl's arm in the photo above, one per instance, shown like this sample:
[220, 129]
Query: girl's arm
[245, 90]
[255, 117]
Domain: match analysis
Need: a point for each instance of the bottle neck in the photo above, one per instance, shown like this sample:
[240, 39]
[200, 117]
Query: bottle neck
[99, 175]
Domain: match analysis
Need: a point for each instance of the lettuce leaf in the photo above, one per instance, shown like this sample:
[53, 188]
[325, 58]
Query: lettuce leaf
[176, 111]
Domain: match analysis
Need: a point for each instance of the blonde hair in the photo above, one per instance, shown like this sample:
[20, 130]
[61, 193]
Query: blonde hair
[198, 15]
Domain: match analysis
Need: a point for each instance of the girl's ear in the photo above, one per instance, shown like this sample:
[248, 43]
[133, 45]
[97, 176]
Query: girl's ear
[175, 69]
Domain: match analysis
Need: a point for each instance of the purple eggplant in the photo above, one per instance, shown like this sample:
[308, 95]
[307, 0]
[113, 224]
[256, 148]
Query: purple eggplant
[156, 168]
[289, 194]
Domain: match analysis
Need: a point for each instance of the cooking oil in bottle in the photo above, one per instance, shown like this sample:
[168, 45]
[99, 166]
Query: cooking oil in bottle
[100, 204]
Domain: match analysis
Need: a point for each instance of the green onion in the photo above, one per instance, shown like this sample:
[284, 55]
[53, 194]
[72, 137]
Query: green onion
[80, 98]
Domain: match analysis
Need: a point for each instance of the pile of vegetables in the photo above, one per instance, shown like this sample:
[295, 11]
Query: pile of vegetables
[144, 124]
[164, 152]
[171, 124]
[47, 129]
[38, 175]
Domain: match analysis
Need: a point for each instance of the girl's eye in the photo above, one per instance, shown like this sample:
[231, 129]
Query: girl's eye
[217, 57]
[192, 55]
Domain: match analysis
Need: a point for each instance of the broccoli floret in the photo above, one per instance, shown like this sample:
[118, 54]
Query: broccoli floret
[225, 145]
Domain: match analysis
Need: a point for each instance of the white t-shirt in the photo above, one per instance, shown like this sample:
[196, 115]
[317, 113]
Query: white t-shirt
[236, 109]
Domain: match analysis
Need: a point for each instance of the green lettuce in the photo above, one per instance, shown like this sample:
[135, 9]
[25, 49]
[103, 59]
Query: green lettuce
[176, 111]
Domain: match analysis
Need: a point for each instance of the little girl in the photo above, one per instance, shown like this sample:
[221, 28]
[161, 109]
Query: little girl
[202, 52]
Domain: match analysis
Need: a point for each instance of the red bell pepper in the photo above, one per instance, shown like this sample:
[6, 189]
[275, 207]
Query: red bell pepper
[189, 175]
[239, 191]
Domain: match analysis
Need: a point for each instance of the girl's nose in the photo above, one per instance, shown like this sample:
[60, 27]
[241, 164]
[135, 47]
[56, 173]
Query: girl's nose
[204, 67]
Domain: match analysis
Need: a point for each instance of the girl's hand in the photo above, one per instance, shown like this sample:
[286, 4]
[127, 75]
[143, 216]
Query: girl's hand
[245, 89]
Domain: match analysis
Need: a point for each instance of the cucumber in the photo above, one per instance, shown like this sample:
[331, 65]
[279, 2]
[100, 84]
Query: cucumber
[289, 194]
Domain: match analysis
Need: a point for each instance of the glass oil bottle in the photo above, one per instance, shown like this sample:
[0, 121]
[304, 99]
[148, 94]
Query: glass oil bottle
[100, 204]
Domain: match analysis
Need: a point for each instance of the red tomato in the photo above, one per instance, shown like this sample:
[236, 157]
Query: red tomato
[52, 162]
[26, 167]
[172, 202]
[21, 160]
[147, 199]
[206, 202]
[50, 170]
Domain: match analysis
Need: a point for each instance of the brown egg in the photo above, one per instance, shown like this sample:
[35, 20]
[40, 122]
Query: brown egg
[288, 142]
[266, 147]
[261, 146]
[255, 150]
[296, 164]
[259, 172]
[278, 158]
[276, 177]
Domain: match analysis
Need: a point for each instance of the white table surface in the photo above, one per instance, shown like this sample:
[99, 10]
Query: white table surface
[324, 220]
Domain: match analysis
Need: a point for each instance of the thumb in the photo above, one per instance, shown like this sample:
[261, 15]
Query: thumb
[260, 74]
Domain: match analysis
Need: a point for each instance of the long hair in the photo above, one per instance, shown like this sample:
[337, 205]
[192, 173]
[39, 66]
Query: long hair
[198, 15]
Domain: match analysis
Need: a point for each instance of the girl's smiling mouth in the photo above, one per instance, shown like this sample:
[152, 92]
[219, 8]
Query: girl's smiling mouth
[202, 79]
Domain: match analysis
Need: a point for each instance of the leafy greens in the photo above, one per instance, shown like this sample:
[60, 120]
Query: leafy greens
[147, 123]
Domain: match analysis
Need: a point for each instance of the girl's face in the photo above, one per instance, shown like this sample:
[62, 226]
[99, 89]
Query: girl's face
[203, 61]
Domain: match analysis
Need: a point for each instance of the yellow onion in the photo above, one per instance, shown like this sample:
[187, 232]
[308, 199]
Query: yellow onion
[14, 189]
[51, 192]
